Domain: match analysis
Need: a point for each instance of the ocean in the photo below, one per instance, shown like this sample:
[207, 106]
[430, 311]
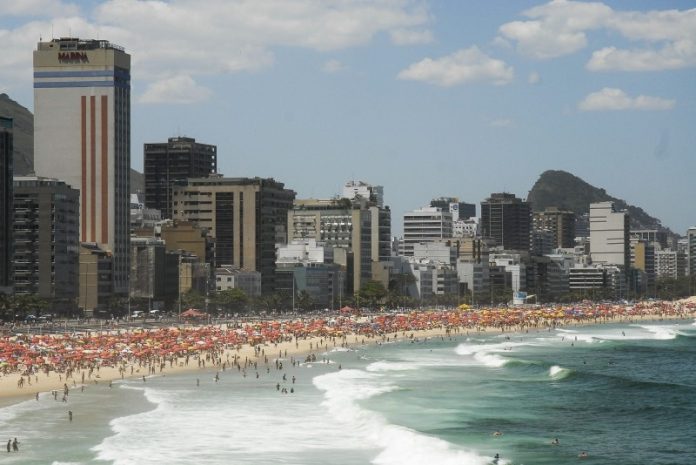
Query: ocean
[623, 394]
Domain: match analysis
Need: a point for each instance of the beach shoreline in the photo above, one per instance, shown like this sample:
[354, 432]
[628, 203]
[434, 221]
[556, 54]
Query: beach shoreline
[53, 384]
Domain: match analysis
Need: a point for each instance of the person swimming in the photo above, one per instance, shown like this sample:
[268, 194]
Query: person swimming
[582, 455]
[555, 442]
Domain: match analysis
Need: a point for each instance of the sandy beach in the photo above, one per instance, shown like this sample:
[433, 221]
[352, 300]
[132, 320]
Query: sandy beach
[16, 386]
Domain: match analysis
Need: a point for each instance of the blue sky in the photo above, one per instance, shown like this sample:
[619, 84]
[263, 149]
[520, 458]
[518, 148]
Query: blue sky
[426, 98]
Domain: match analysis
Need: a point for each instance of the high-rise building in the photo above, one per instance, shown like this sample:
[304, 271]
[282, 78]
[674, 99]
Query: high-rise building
[691, 250]
[459, 210]
[609, 235]
[173, 161]
[425, 225]
[666, 264]
[507, 220]
[6, 241]
[47, 241]
[358, 230]
[561, 224]
[82, 136]
[247, 217]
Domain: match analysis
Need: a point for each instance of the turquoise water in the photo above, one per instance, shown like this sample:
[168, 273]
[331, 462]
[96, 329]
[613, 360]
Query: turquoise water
[623, 393]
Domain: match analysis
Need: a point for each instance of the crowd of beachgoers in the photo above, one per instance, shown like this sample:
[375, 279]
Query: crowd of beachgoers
[28, 354]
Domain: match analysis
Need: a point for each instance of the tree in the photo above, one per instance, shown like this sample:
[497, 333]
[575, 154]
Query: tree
[372, 293]
[192, 299]
[231, 300]
[304, 301]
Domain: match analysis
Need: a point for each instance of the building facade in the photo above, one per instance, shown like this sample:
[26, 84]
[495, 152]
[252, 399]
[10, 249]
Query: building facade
[507, 220]
[358, 232]
[609, 235]
[6, 204]
[82, 136]
[174, 161]
[561, 223]
[47, 241]
[247, 217]
[691, 250]
[425, 225]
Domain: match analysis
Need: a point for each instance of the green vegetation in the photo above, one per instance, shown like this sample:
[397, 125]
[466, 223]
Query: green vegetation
[568, 192]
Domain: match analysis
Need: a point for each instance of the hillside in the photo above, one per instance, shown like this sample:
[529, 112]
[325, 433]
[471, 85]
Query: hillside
[23, 134]
[569, 192]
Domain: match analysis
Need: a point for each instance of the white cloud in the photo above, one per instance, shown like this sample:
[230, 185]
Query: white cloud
[192, 38]
[556, 28]
[411, 36]
[178, 89]
[560, 28]
[333, 66]
[616, 99]
[464, 66]
[533, 78]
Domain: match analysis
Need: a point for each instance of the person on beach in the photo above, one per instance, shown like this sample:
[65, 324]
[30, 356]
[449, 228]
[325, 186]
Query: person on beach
[15, 445]
[9, 445]
[70, 415]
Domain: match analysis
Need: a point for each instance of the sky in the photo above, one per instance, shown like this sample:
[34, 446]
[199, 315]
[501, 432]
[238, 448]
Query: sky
[427, 98]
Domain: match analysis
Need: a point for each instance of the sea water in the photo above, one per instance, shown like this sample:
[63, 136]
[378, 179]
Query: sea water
[622, 393]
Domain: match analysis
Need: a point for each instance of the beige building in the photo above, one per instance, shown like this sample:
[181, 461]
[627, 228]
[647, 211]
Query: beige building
[247, 217]
[82, 136]
[96, 281]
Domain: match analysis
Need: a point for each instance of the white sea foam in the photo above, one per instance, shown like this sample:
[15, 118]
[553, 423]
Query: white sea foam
[225, 426]
[396, 444]
[392, 366]
[558, 372]
[661, 332]
[11, 412]
[487, 354]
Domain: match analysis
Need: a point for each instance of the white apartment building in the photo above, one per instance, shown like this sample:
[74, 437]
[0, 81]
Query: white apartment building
[425, 225]
[666, 264]
[609, 235]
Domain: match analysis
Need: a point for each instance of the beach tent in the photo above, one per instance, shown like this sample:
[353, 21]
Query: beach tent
[193, 313]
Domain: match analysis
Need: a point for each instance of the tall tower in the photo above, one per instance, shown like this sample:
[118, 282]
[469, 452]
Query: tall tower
[506, 219]
[6, 210]
[82, 136]
[175, 161]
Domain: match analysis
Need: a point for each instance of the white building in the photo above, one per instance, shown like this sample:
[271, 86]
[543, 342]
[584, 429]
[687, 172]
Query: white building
[301, 251]
[609, 235]
[231, 277]
[691, 250]
[465, 228]
[425, 225]
[352, 189]
[666, 264]
[438, 252]
[82, 136]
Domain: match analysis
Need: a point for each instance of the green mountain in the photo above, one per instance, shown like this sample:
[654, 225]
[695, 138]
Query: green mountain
[567, 191]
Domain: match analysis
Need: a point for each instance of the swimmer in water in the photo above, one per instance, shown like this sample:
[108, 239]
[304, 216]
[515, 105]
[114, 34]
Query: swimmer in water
[497, 433]
[582, 455]
[555, 442]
